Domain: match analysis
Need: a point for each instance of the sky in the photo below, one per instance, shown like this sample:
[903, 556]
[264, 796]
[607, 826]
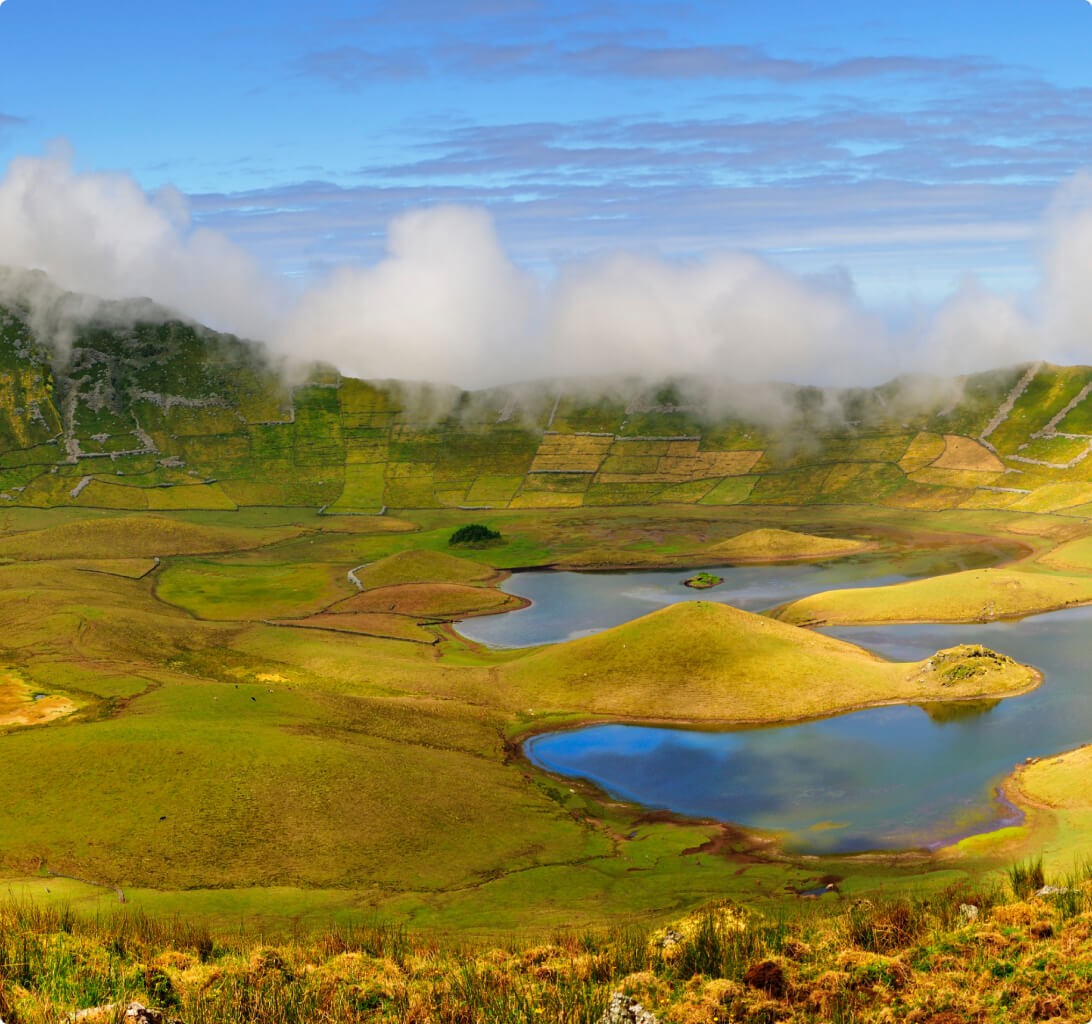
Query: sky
[908, 161]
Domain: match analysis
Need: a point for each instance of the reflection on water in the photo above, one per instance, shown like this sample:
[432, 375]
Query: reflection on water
[957, 711]
[887, 777]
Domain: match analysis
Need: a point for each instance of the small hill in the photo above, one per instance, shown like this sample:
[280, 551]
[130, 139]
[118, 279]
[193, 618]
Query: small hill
[705, 661]
[430, 601]
[976, 595]
[422, 566]
[143, 536]
[772, 545]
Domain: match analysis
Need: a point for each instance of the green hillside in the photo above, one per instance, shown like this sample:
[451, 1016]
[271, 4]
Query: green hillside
[169, 416]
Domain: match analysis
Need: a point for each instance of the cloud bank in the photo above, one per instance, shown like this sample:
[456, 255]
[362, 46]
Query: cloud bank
[101, 234]
[447, 303]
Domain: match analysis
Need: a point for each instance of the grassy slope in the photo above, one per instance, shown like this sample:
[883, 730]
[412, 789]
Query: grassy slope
[246, 786]
[1057, 792]
[978, 595]
[774, 545]
[132, 537]
[706, 661]
[223, 590]
[195, 420]
[423, 566]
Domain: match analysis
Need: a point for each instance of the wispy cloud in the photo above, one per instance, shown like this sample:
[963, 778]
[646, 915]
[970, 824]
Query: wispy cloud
[442, 293]
[609, 57]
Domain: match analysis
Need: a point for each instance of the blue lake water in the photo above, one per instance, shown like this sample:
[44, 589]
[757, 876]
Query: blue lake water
[884, 778]
[567, 605]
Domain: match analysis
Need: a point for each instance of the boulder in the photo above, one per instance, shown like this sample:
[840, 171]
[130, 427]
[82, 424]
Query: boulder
[624, 1010]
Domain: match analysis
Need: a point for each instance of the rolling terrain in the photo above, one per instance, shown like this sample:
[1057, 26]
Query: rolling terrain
[253, 674]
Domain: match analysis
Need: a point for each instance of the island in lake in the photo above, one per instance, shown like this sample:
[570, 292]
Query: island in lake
[703, 581]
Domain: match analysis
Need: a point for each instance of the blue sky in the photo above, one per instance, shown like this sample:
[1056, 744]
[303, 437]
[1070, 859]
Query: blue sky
[903, 144]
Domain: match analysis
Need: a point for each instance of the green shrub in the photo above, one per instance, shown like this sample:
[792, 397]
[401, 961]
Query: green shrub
[474, 535]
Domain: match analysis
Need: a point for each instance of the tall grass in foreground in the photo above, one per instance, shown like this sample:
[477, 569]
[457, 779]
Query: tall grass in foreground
[1026, 877]
[965, 954]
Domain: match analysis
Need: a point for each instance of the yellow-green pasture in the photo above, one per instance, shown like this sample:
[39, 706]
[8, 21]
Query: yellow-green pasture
[978, 595]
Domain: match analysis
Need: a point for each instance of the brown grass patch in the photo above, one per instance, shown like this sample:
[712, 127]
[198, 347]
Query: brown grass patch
[963, 453]
[430, 601]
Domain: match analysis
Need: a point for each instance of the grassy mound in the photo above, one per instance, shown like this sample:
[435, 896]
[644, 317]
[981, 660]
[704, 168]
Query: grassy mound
[423, 566]
[431, 601]
[977, 595]
[143, 536]
[705, 661]
[773, 545]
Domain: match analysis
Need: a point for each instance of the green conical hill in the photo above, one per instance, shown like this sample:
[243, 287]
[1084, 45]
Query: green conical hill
[705, 661]
[772, 545]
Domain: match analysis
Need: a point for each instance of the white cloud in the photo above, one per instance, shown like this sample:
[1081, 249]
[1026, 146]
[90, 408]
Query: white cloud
[444, 304]
[447, 303]
[100, 233]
